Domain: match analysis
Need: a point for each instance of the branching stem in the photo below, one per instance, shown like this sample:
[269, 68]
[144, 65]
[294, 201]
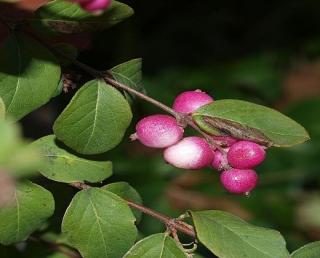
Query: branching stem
[183, 119]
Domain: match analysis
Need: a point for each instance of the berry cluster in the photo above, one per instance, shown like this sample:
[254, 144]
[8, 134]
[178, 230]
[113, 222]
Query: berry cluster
[95, 6]
[235, 158]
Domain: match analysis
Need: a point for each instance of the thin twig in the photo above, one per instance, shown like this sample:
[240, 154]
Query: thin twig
[169, 222]
[182, 119]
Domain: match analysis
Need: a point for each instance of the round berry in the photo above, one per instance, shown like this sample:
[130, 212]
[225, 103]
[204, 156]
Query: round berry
[225, 141]
[246, 154]
[220, 161]
[239, 181]
[158, 131]
[189, 153]
[189, 101]
[95, 5]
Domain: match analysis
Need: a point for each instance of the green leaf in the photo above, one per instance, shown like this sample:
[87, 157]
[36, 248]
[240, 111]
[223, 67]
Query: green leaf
[99, 224]
[311, 250]
[29, 75]
[2, 109]
[156, 246]
[95, 120]
[130, 74]
[32, 206]
[127, 192]
[61, 165]
[245, 120]
[68, 17]
[226, 235]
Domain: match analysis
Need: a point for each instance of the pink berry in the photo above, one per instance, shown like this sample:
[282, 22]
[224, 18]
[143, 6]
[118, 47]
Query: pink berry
[158, 131]
[189, 101]
[95, 5]
[220, 161]
[239, 181]
[245, 154]
[225, 141]
[189, 153]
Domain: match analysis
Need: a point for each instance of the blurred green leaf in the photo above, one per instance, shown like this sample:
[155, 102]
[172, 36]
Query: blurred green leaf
[226, 235]
[130, 74]
[32, 206]
[29, 75]
[61, 165]
[311, 250]
[2, 109]
[16, 156]
[107, 224]
[245, 120]
[307, 212]
[127, 192]
[67, 17]
[156, 246]
[95, 120]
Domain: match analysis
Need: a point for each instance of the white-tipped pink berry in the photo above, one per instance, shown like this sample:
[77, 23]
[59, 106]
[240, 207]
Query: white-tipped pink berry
[189, 153]
[225, 141]
[95, 5]
[158, 131]
[220, 161]
[189, 101]
[239, 181]
[245, 154]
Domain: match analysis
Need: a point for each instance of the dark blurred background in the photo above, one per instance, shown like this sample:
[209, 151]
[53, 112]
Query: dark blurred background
[267, 52]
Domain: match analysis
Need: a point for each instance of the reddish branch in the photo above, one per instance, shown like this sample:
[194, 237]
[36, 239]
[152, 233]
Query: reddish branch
[169, 222]
[185, 120]
[182, 118]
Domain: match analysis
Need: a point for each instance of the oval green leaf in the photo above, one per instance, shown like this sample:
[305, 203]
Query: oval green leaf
[99, 224]
[67, 17]
[249, 121]
[156, 246]
[126, 192]
[32, 206]
[226, 235]
[311, 250]
[95, 120]
[61, 165]
[29, 75]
